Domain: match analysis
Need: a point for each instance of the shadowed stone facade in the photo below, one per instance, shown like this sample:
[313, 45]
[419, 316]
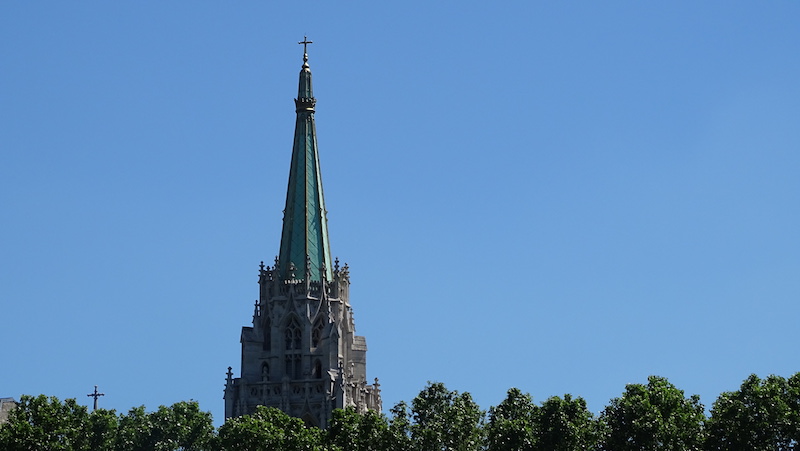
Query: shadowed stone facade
[6, 405]
[301, 354]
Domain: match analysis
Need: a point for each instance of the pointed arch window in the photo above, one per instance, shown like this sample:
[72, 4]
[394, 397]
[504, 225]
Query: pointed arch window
[293, 340]
[317, 374]
[267, 335]
[293, 367]
[293, 336]
[316, 333]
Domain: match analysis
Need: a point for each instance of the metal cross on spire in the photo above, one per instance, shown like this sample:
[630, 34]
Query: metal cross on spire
[95, 395]
[305, 43]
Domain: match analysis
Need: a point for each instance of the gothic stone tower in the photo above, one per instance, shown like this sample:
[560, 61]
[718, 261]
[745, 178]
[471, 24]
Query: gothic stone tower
[302, 355]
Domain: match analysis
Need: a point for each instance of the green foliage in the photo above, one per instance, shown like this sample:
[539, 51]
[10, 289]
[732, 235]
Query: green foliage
[511, 423]
[565, 424]
[445, 420]
[558, 424]
[761, 415]
[102, 429]
[135, 431]
[43, 423]
[793, 403]
[265, 430]
[655, 416]
[400, 428]
[351, 431]
[182, 426]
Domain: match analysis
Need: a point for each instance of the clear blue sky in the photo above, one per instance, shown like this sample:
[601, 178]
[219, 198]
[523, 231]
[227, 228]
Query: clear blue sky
[563, 197]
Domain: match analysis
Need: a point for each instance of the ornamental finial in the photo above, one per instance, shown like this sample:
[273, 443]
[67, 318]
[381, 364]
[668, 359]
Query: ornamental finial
[305, 43]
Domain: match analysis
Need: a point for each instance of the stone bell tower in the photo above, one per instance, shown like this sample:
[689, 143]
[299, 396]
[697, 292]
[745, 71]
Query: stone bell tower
[301, 354]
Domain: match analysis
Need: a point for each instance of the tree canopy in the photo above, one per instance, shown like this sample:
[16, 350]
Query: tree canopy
[763, 414]
[654, 416]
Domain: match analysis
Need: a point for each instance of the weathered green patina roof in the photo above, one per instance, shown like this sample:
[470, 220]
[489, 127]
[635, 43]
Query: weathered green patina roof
[304, 240]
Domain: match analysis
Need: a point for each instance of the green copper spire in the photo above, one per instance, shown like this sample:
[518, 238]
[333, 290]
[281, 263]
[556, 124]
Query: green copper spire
[304, 241]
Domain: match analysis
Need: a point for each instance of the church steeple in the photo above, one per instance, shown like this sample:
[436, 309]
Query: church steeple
[302, 354]
[305, 247]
